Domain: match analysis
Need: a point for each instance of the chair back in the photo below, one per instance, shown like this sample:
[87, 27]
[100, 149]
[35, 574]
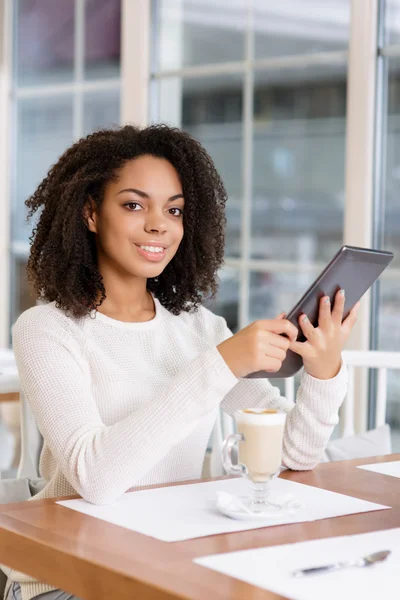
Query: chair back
[31, 442]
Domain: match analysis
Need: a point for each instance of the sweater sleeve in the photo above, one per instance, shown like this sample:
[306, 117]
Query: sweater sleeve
[310, 421]
[94, 457]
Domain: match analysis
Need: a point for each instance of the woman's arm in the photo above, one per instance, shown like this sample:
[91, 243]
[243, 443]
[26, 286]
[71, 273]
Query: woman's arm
[309, 423]
[102, 462]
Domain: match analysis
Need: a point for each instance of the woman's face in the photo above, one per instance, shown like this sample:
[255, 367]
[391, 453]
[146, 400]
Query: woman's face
[139, 225]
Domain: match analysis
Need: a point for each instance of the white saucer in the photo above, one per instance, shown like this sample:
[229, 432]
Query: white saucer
[233, 507]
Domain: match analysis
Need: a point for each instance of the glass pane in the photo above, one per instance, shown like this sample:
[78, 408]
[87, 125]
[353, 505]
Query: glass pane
[102, 39]
[44, 41]
[195, 32]
[44, 130]
[292, 27]
[101, 109]
[274, 292]
[226, 304]
[298, 170]
[391, 216]
[392, 22]
[389, 316]
[22, 291]
[210, 109]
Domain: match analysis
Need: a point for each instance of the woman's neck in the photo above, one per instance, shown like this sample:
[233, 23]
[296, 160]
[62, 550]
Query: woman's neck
[129, 314]
[127, 299]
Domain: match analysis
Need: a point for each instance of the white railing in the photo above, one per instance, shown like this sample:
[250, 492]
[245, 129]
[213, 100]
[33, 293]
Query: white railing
[383, 362]
[354, 359]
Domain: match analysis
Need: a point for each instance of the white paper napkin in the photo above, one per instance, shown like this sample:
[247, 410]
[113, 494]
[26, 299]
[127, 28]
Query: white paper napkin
[183, 512]
[387, 468]
[271, 568]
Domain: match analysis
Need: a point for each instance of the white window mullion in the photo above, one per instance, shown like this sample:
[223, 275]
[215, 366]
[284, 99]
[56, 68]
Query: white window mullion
[247, 174]
[135, 61]
[79, 66]
[63, 89]
[5, 209]
[361, 99]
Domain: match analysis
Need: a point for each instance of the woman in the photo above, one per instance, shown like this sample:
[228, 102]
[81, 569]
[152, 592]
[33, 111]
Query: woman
[123, 367]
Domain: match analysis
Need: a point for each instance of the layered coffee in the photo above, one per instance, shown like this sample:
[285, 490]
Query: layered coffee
[261, 449]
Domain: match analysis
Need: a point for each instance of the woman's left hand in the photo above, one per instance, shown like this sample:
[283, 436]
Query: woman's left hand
[322, 350]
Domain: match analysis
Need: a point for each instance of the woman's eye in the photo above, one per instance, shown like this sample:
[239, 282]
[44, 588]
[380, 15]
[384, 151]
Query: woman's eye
[133, 205]
[176, 214]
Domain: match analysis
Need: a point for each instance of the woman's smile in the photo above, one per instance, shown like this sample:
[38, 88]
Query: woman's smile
[152, 251]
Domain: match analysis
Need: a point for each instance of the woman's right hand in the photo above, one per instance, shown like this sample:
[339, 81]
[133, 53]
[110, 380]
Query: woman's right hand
[259, 346]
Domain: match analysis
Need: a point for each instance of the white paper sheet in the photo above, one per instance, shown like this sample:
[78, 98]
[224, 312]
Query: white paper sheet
[271, 568]
[189, 511]
[387, 468]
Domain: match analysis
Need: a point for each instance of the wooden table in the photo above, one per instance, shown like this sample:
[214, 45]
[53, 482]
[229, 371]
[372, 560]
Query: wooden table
[96, 560]
[9, 397]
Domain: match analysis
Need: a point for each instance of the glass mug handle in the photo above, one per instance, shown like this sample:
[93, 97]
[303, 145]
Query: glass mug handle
[227, 448]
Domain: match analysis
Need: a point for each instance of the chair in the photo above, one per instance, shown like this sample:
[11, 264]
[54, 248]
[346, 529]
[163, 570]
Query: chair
[27, 482]
[31, 442]
[9, 410]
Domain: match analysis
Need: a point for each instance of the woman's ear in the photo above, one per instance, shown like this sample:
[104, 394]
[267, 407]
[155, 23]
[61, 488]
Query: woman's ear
[90, 215]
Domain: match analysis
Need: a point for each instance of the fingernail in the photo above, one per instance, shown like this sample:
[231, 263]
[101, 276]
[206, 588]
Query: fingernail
[342, 292]
[327, 300]
[305, 319]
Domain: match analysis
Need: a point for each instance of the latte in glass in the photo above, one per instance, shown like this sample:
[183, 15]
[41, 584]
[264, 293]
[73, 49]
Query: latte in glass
[261, 449]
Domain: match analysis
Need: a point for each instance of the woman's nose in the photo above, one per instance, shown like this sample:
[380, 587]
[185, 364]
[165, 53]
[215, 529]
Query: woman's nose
[155, 222]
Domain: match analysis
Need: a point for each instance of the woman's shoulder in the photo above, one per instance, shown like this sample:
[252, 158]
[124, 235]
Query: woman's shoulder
[44, 317]
[206, 324]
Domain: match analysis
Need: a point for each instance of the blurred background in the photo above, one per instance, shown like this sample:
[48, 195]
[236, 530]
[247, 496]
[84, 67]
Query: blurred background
[264, 86]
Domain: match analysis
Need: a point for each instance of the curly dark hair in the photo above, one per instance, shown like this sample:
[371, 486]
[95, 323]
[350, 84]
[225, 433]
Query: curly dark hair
[63, 263]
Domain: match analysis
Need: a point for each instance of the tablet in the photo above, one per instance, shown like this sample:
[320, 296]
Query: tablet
[352, 269]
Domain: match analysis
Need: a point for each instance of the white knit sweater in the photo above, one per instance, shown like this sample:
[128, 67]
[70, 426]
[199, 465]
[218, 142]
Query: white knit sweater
[122, 405]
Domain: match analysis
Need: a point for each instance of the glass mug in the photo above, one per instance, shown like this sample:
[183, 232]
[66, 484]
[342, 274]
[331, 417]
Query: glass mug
[259, 439]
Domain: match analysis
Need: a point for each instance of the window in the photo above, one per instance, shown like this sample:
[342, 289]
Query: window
[263, 86]
[387, 331]
[66, 83]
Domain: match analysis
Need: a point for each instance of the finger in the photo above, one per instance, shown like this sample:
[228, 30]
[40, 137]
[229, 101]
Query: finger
[272, 365]
[338, 307]
[324, 316]
[301, 348]
[306, 326]
[279, 326]
[278, 340]
[351, 318]
[282, 315]
[275, 352]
